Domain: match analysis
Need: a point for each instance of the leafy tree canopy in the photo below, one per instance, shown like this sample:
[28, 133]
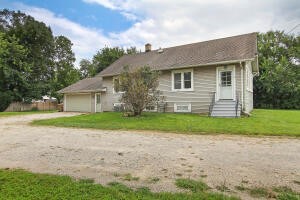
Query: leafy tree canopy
[278, 85]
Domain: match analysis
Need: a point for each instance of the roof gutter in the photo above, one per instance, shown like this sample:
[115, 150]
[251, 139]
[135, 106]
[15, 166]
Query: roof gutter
[200, 65]
[83, 91]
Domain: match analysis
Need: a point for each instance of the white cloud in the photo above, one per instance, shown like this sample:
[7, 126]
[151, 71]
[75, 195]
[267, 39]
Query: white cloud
[86, 41]
[174, 22]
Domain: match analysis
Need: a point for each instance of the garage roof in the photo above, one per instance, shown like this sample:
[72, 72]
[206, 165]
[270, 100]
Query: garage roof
[85, 86]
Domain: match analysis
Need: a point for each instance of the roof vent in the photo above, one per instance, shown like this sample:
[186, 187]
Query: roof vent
[147, 47]
[160, 50]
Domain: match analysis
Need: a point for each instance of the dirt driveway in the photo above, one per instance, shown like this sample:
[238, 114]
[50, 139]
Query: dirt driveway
[108, 155]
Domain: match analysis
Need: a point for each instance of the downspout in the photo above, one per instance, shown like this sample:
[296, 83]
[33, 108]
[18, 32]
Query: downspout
[242, 85]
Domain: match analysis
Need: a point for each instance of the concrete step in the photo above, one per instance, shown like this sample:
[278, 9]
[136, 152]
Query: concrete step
[226, 108]
[225, 102]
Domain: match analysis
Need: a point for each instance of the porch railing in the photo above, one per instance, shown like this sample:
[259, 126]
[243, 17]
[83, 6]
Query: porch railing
[212, 103]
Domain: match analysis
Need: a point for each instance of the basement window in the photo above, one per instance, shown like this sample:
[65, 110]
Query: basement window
[182, 107]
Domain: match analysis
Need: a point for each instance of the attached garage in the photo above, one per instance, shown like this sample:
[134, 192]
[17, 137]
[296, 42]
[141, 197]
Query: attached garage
[78, 102]
[83, 96]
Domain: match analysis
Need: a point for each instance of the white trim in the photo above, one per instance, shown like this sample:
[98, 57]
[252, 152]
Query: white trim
[96, 102]
[233, 80]
[65, 102]
[249, 77]
[182, 71]
[183, 104]
[242, 85]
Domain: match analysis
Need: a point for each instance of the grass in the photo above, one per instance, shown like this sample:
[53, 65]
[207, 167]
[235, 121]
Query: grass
[129, 177]
[280, 193]
[192, 185]
[19, 184]
[262, 122]
[258, 192]
[7, 114]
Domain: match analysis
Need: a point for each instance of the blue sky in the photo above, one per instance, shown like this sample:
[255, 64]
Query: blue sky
[93, 24]
[80, 12]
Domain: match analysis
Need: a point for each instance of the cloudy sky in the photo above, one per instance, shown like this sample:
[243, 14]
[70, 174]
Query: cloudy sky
[92, 24]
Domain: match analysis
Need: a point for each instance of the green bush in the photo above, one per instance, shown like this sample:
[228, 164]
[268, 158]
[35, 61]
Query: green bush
[5, 100]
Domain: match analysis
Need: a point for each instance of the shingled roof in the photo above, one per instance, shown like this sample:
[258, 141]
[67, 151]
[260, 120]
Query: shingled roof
[85, 85]
[236, 48]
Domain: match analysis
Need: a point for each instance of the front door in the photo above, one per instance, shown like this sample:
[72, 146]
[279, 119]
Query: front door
[225, 84]
[98, 102]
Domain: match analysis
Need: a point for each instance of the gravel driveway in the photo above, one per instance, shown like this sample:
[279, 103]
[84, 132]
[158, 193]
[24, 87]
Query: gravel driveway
[108, 155]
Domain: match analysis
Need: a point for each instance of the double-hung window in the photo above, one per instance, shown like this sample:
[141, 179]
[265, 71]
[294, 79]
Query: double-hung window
[182, 80]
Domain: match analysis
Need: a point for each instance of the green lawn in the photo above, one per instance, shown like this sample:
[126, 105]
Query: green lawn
[7, 114]
[262, 122]
[19, 184]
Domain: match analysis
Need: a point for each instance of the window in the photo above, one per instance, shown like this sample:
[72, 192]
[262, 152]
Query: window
[182, 107]
[177, 81]
[187, 77]
[116, 85]
[226, 78]
[182, 80]
[118, 107]
[151, 108]
[97, 98]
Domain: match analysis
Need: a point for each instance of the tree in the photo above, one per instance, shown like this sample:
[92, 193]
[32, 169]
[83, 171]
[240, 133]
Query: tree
[13, 71]
[106, 56]
[87, 69]
[39, 41]
[278, 85]
[65, 73]
[132, 50]
[139, 89]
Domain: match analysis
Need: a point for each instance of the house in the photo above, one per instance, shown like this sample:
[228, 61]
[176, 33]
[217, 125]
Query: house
[214, 77]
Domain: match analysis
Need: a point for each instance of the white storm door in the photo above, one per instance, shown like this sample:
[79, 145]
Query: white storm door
[225, 84]
[98, 102]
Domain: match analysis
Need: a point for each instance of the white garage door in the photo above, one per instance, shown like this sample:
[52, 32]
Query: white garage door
[78, 102]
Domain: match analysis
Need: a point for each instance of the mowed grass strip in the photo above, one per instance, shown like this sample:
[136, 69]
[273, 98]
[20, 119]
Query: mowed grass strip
[19, 184]
[7, 114]
[262, 122]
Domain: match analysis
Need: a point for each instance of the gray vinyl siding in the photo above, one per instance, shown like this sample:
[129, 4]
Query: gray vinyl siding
[204, 84]
[200, 97]
[109, 97]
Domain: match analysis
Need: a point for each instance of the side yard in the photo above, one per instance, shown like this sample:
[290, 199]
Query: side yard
[262, 122]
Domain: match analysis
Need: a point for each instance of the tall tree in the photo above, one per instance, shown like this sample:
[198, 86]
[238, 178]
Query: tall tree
[87, 69]
[65, 73]
[278, 85]
[13, 71]
[39, 41]
[106, 56]
[102, 59]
